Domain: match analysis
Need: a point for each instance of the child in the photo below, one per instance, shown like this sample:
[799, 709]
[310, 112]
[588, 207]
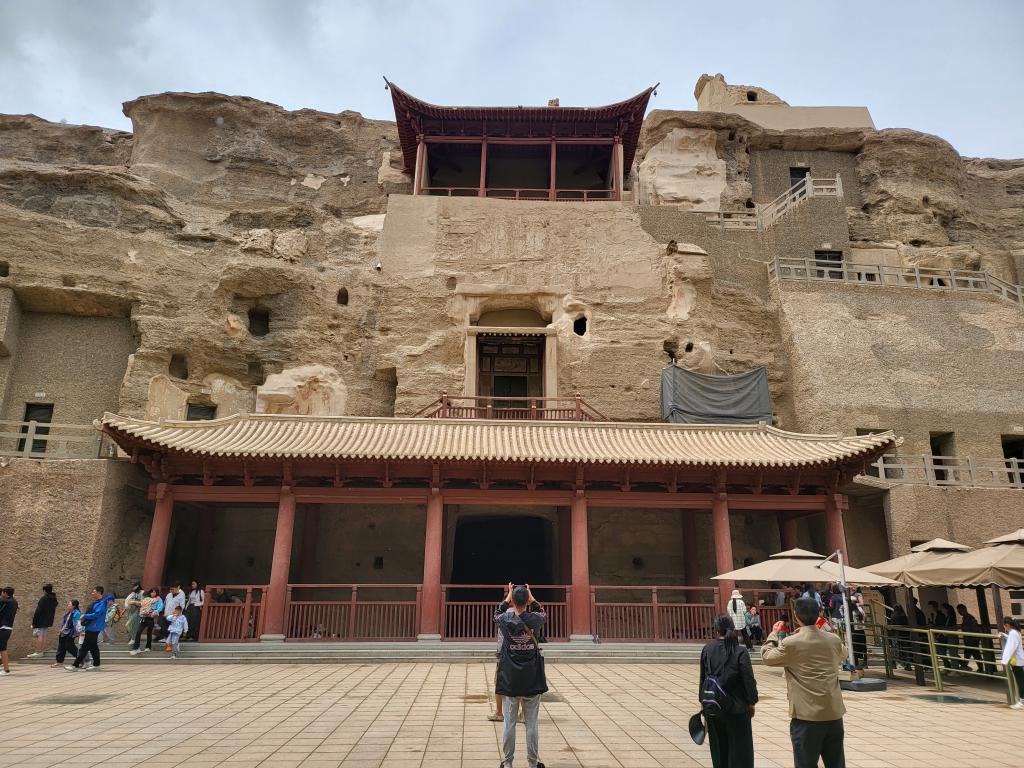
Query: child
[69, 630]
[176, 627]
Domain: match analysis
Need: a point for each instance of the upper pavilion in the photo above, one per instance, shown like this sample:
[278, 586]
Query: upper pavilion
[519, 153]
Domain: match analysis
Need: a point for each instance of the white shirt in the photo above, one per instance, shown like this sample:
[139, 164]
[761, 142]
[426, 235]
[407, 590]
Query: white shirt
[1012, 649]
[195, 597]
[174, 600]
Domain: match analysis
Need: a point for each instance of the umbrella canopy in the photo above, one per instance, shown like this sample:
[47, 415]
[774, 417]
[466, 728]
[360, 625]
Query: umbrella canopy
[1001, 564]
[901, 568]
[799, 565]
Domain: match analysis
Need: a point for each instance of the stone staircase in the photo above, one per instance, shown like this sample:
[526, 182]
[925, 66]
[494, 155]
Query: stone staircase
[766, 215]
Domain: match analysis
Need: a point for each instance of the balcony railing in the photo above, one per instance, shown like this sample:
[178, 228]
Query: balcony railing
[930, 278]
[524, 193]
[39, 440]
[467, 610]
[518, 408]
[958, 471]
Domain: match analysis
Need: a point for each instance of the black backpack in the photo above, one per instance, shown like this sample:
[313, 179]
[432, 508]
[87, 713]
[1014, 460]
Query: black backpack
[714, 699]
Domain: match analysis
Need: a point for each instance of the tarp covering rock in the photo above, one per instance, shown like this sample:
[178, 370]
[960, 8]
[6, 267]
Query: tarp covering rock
[690, 397]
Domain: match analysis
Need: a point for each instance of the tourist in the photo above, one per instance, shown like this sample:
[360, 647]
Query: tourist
[132, 604]
[68, 632]
[8, 610]
[969, 625]
[194, 609]
[93, 622]
[754, 633]
[42, 619]
[521, 678]
[780, 596]
[728, 703]
[900, 646]
[860, 638]
[113, 616]
[175, 598]
[811, 659]
[737, 610]
[812, 593]
[177, 628]
[1013, 657]
[220, 596]
[149, 611]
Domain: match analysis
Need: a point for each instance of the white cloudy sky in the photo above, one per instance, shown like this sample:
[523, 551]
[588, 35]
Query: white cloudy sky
[955, 69]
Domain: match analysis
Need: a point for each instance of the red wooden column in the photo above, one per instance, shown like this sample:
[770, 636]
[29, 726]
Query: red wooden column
[835, 534]
[275, 601]
[159, 532]
[430, 610]
[691, 568]
[310, 536]
[787, 532]
[421, 153]
[581, 626]
[723, 544]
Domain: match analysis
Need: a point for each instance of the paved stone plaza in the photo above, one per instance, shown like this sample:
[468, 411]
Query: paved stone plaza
[433, 716]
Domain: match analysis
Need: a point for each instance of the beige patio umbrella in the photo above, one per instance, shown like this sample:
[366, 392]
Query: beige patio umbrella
[799, 565]
[923, 554]
[1000, 564]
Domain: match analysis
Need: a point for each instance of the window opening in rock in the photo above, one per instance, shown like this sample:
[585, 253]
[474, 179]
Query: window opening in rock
[689, 346]
[42, 413]
[798, 174]
[199, 412]
[943, 448]
[178, 367]
[828, 259]
[450, 283]
[254, 372]
[343, 297]
[259, 321]
[5, 269]
[638, 563]
[750, 203]
[751, 95]
[378, 563]
[579, 326]
[1013, 452]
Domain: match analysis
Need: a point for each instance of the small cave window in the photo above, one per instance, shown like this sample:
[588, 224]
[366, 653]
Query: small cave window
[178, 367]
[254, 372]
[343, 297]
[378, 563]
[638, 563]
[5, 269]
[200, 412]
[579, 325]
[259, 321]
[751, 95]
[689, 346]
[451, 283]
[750, 203]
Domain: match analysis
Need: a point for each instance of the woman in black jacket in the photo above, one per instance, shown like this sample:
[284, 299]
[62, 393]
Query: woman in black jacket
[729, 732]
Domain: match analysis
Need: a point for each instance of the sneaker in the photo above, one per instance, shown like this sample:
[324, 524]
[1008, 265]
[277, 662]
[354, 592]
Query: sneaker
[134, 652]
[4, 673]
[174, 655]
[57, 664]
[1018, 705]
[72, 668]
[146, 650]
[35, 655]
[93, 668]
[494, 717]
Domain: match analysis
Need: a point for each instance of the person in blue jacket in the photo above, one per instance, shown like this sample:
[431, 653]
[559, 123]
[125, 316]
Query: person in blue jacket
[93, 622]
[67, 633]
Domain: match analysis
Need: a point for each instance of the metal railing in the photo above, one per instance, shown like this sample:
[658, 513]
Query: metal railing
[518, 408]
[931, 278]
[959, 471]
[232, 613]
[467, 610]
[766, 215]
[653, 614]
[41, 440]
[523, 193]
[336, 612]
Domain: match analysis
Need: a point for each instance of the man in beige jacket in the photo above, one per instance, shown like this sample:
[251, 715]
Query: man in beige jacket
[811, 658]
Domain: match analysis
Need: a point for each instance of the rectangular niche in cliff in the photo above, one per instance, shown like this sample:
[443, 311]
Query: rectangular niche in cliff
[259, 321]
[384, 391]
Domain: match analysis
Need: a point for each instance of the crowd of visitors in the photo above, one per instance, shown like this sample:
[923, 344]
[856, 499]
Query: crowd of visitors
[171, 618]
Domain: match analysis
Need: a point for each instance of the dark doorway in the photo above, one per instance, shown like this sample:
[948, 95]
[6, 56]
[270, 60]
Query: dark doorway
[42, 413]
[497, 550]
[796, 175]
[511, 367]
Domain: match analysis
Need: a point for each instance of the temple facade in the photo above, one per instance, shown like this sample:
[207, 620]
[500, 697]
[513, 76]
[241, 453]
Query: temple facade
[347, 372]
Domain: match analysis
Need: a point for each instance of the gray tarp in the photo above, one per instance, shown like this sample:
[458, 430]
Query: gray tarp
[689, 397]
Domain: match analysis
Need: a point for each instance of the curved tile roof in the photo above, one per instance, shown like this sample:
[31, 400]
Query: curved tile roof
[408, 439]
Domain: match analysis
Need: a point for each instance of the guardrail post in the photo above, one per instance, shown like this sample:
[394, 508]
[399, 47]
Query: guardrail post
[1015, 478]
[443, 621]
[352, 612]
[445, 406]
[246, 613]
[808, 185]
[533, 409]
[1011, 696]
[929, 470]
[579, 407]
[655, 620]
[936, 667]
[839, 185]
[287, 612]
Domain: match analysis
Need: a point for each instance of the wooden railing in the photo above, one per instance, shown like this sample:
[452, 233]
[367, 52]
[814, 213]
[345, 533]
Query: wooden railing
[520, 408]
[653, 614]
[963, 471]
[467, 610]
[236, 621]
[523, 193]
[954, 280]
[335, 612]
[40, 440]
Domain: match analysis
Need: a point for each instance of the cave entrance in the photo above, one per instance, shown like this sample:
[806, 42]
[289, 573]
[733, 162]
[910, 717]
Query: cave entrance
[497, 549]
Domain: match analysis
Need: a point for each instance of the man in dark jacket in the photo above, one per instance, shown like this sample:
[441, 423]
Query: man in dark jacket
[8, 610]
[42, 619]
[520, 670]
[93, 622]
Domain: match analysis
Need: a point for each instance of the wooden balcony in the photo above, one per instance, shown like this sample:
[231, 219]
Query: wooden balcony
[513, 408]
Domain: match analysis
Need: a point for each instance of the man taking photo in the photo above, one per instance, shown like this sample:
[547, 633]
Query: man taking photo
[521, 675]
[811, 658]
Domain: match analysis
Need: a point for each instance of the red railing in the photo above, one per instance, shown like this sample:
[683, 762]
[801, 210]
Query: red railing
[518, 408]
[351, 612]
[463, 618]
[523, 193]
[770, 613]
[653, 614]
[232, 613]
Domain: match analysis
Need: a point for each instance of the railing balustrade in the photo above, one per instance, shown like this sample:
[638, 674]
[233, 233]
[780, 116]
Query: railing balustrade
[653, 614]
[518, 408]
[42, 440]
[232, 613]
[467, 610]
[336, 612]
[931, 278]
[961, 471]
[523, 193]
